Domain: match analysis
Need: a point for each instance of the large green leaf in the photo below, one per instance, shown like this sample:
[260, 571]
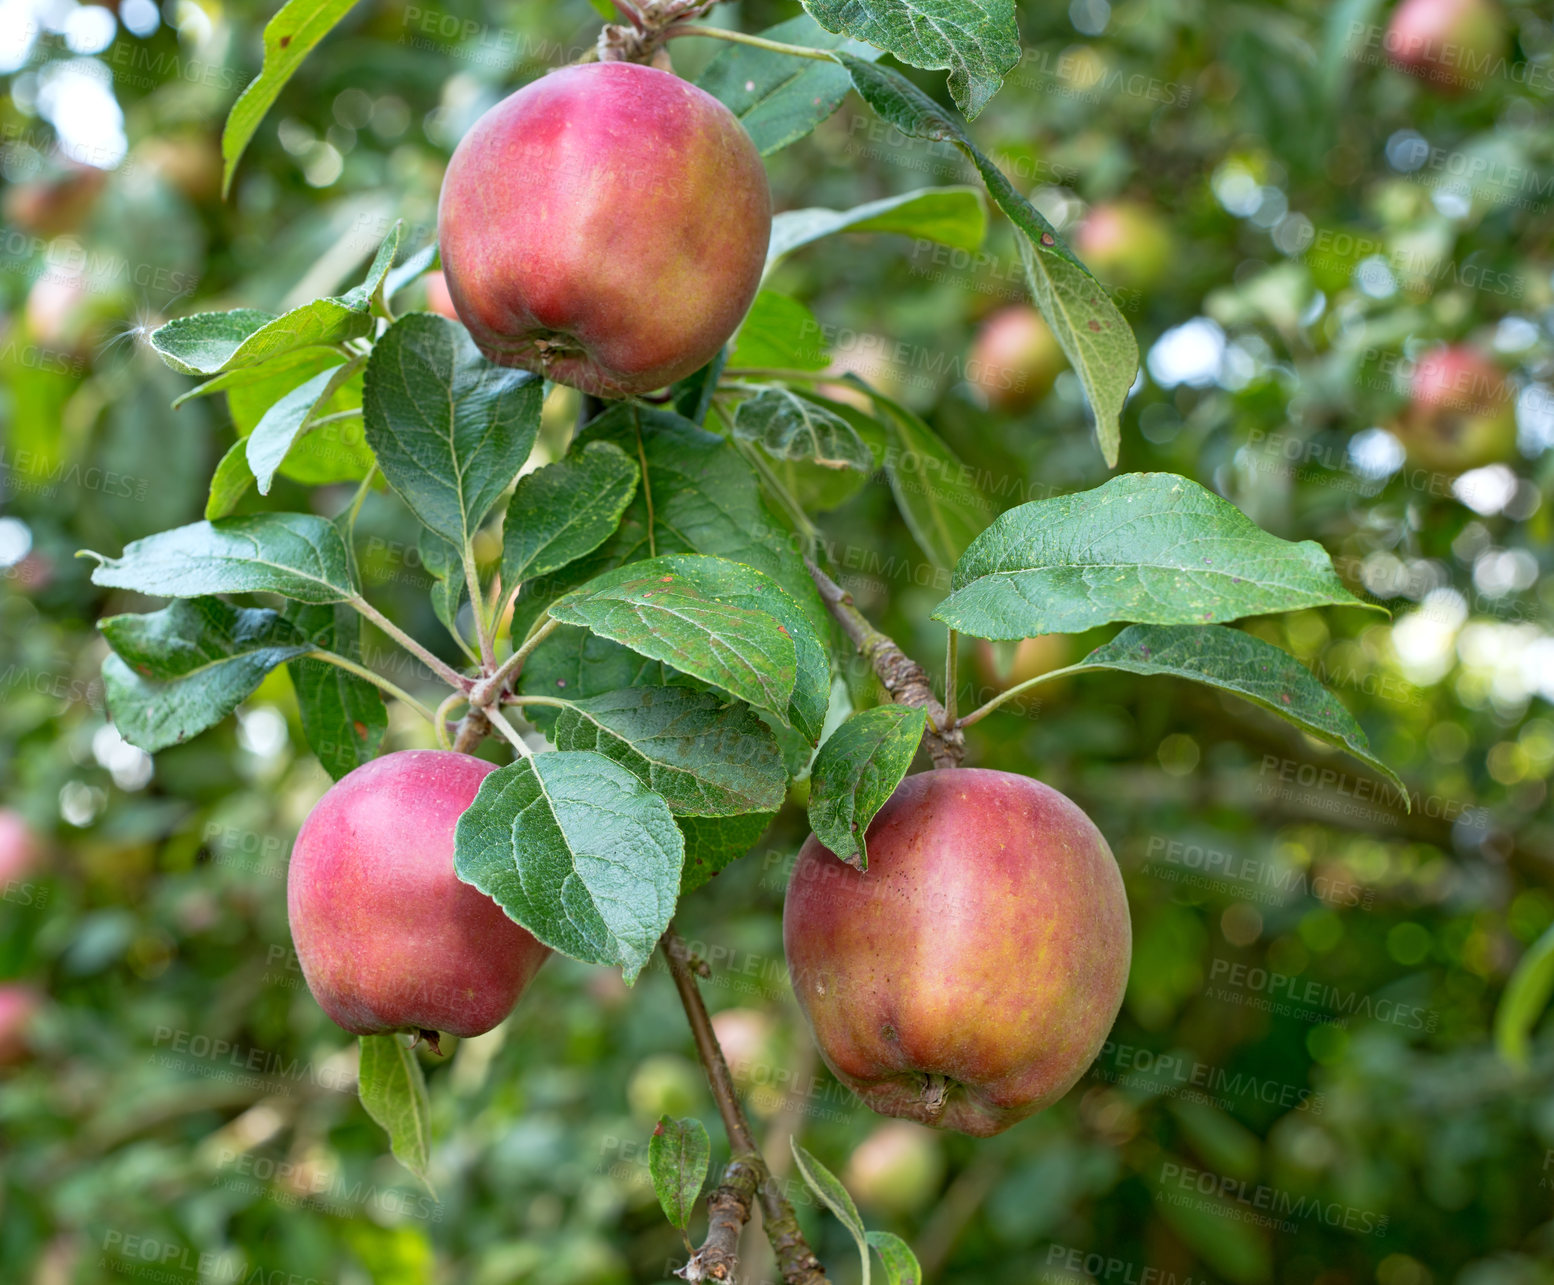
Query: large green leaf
[1089, 328]
[777, 97]
[230, 482]
[284, 422]
[834, 1196]
[297, 555]
[565, 510]
[450, 429]
[578, 851]
[712, 844]
[953, 216]
[178, 671]
[678, 1155]
[743, 588]
[1147, 547]
[393, 1091]
[324, 453]
[1526, 996]
[975, 40]
[660, 614]
[288, 38]
[857, 770]
[343, 716]
[702, 754]
[780, 331]
[789, 426]
[1237, 662]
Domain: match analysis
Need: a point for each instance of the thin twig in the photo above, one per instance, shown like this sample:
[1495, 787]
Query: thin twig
[795, 1259]
[486, 691]
[739, 37]
[901, 676]
[951, 677]
[508, 732]
[438, 666]
[473, 728]
[377, 680]
[477, 607]
[440, 722]
[982, 711]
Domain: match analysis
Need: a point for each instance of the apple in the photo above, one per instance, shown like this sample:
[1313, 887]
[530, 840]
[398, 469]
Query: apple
[1124, 244]
[54, 205]
[437, 297]
[1003, 668]
[1461, 412]
[1014, 359]
[969, 977]
[1449, 44]
[896, 1169]
[19, 1004]
[20, 850]
[388, 937]
[605, 226]
[664, 1084]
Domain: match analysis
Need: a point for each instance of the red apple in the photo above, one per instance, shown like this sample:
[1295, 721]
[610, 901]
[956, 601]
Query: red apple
[437, 297]
[1461, 412]
[898, 1168]
[1451, 45]
[1124, 244]
[20, 850]
[1014, 359]
[969, 977]
[606, 226]
[19, 1004]
[388, 937]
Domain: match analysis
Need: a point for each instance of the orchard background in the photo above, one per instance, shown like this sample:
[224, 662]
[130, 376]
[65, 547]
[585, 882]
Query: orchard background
[1303, 1085]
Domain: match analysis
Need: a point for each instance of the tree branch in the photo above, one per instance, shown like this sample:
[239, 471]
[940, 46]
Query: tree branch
[795, 1259]
[901, 676]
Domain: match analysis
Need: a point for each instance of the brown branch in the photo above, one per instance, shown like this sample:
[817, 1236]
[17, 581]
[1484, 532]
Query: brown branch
[474, 727]
[900, 675]
[795, 1260]
[728, 1210]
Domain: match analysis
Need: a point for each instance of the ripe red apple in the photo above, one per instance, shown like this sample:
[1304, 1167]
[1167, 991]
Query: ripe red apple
[437, 297]
[54, 205]
[606, 226]
[1014, 359]
[1124, 244]
[19, 1004]
[1451, 45]
[388, 937]
[970, 975]
[19, 847]
[1461, 412]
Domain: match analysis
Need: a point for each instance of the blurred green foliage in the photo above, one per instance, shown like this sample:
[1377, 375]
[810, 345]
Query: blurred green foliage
[1300, 1088]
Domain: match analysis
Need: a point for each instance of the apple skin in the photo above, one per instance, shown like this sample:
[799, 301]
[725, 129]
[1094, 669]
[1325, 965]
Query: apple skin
[605, 226]
[1124, 244]
[1461, 412]
[437, 297]
[1448, 44]
[1015, 359]
[19, 1004]
[388, 937]
[897, 1169]
[987, 943]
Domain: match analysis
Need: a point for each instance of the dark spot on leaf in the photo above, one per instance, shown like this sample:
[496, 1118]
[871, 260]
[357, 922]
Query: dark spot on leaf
[144, 670]
[561, 682]
[285, 40]
[1285, 697]
[658, 1129]
[1048, 239]
[361, 729]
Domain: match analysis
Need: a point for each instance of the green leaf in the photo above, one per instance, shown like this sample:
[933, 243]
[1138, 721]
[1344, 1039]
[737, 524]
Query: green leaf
[243, 376]
[288, 38]
[423, 260]
[297, 555]
[324, 453]
[393, 1091]
[565, 510]
[900, 1262]
[230, 482]
[658, 613]
[678, 1155]
[975, 40]
[857, 770]
[343, 716]
[1526, 996]
[450, 429]
[712, 844]
[779, 332]
[578, 851]
[790, 427]
[934, 491]
[178, 671]
[777, 97]
[701, 754]
[1237, 662]
[693, 395]
[953, 216]
[1089, 328]
[742, 588]
[1147, 547]
[204, 343]
[285, 421]
[834, 1197]
[446, 567]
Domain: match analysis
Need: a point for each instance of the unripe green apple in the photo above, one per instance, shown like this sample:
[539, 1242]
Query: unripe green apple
[664, 1084]
[606, 226]
[388, 937]
[1124, 244]
[1014, 359]
[896, 1169]
[969, 977]
[1451, 45]
[1461, 412]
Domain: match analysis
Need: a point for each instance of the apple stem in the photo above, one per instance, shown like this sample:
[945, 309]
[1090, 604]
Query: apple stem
[748, 1176]
[900, 675]
[936, 1092]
